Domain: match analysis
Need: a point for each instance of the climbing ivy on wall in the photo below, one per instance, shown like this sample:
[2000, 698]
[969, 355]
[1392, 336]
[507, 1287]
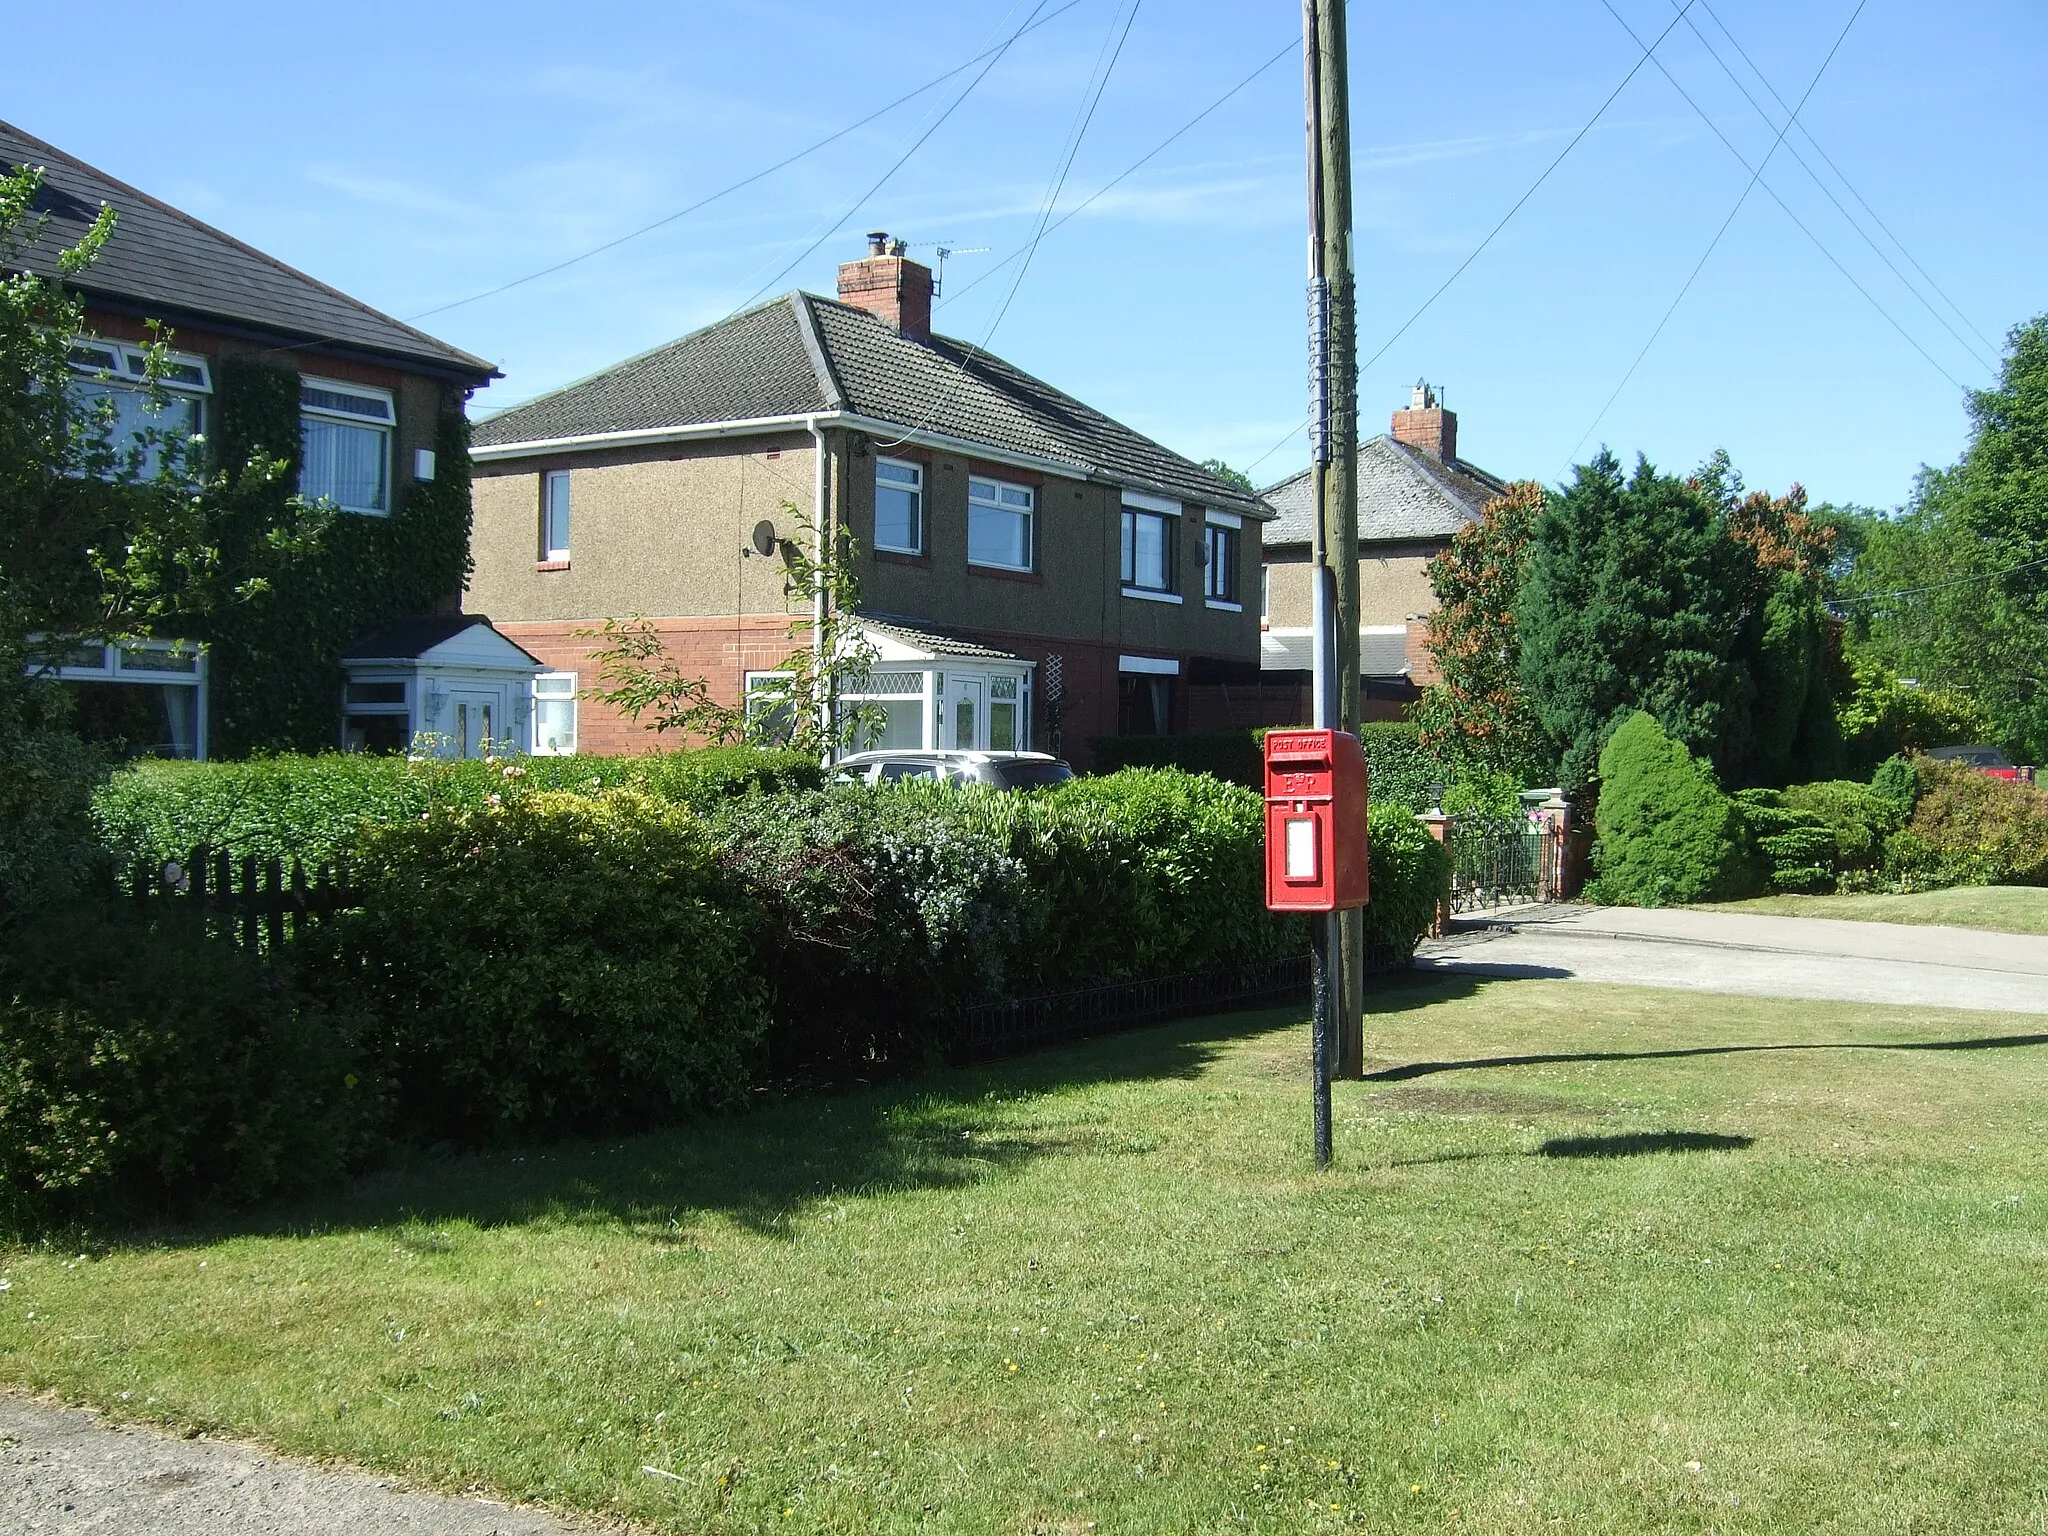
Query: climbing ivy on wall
[276, 653]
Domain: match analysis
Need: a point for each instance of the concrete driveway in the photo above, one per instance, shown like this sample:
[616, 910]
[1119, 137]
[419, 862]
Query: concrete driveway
[64, 1469]
[1752, 955]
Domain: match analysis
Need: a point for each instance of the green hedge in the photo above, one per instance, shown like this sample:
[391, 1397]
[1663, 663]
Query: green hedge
[145, 1069]
[555, 962]
[1796, 848]
[1968, 828]
[316, 808]
[1411, 878]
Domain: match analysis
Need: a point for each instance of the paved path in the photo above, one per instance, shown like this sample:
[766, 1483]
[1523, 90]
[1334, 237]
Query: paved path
[1754, 955]
[65, 1470]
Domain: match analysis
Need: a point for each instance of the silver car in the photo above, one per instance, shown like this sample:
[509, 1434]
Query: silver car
[1004, 770]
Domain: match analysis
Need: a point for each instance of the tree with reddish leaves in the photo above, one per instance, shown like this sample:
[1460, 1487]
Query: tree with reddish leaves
[1478, 716]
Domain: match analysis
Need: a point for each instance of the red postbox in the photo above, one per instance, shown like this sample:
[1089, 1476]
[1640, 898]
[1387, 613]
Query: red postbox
[1315, 822]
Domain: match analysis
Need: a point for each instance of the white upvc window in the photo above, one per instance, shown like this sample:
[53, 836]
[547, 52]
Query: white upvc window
[771, 712]
[154, 700]
[999, 524]
[1222, 539]
[899, 506]
[345, 445]
[555, 515]
[892, 706]
[554, 714]
[113, 381]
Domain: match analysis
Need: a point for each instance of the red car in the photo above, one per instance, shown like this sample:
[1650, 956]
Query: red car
[1986, 759]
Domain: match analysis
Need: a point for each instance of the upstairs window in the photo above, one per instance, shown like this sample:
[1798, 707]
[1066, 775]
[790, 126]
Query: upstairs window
[1219, 562]
[899, 506]
[554, 537]
[112, 384]
[1148, 550]
[345, 445]
[999, 517]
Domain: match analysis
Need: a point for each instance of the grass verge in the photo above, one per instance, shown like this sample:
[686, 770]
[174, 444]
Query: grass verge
[2000, 908]
[1593, 1259]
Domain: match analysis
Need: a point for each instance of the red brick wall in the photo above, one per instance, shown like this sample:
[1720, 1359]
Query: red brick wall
[722, 651]
[1432, 429]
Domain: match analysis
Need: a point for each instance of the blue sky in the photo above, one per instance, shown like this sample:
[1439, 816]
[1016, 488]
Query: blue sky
[420, 154]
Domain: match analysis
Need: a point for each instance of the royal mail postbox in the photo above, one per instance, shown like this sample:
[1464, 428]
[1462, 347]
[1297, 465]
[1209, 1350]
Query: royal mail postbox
[1315, 822]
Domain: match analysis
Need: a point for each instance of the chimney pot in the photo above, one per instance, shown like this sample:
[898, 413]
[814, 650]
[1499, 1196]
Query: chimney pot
[878, 242]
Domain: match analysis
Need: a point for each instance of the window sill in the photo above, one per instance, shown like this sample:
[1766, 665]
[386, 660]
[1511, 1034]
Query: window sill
[551, 565]
[902, 556]
[1004, 573]
[1150, 596]
[1223, 605]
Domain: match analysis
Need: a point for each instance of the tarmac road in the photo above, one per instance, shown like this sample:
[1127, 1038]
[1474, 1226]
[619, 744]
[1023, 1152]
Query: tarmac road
[66, 1470]
[1752, 955]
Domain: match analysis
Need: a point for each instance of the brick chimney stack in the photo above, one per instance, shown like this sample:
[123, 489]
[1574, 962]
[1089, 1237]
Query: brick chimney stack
[890, 285]
[1427, 425]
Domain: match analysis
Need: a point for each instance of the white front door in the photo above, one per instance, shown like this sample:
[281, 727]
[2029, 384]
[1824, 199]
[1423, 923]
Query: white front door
[966, 712]
[479, 725]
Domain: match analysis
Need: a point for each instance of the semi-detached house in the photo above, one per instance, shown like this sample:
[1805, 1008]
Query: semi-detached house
[1033, 573]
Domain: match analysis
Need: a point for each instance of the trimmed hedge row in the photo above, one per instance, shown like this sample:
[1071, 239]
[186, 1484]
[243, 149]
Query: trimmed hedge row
[531, 961]
[317, 808]
[1402, 768]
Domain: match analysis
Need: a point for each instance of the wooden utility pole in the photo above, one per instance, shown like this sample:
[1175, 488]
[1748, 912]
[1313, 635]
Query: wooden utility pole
[1334, 435]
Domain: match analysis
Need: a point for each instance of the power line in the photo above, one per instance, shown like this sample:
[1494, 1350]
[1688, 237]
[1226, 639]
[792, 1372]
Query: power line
[1937, 586]
[760, 175]
[1099, 82]
[1810, 139]
[1132, 169]
[1793, 151]
[1423, 308]
[1749, 186]
[995, 57]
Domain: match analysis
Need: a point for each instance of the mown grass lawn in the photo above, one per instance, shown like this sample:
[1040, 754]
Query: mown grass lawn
[2001, 908]
[1593, 1260]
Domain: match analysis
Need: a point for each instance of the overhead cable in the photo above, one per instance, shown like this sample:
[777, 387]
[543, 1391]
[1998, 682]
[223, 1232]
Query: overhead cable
[1706, 255]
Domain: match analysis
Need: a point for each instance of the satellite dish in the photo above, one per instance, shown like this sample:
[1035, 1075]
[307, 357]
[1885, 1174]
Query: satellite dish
[764, 538]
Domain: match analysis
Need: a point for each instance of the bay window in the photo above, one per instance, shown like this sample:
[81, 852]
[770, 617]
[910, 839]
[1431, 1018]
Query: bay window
[999, 519]
[345, 445]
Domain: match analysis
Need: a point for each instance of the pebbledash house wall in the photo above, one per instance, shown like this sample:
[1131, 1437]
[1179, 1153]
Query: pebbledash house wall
[664, 531]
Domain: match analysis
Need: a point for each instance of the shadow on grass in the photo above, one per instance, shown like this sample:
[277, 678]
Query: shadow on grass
[1414, 1069]
[1643, 1143]
[764, 1168]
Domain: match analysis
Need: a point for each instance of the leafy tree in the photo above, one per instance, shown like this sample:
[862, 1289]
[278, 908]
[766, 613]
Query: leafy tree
[1479, 714]
[1631, 601]
[1236, 477]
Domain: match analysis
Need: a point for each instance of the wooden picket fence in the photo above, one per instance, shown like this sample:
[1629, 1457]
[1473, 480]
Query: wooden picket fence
[258, 903]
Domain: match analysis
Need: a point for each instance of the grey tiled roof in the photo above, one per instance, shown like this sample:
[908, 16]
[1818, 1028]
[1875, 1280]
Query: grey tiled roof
[1403, 493]
[930, 637]
[173, 266]
[800, 354]
[414, 637]
[1379, 655]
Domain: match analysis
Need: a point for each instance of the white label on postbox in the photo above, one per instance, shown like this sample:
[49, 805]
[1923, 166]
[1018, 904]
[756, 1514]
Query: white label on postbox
[1301, 848]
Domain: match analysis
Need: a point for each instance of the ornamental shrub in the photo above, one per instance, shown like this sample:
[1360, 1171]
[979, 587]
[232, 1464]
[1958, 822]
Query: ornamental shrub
[1969, 828]
[557, 962]
[1897, 782]
[1666, 833]
[317, 808]
[1796, 848]
[1860, 817]
[1400, 767]
[145, 1068]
